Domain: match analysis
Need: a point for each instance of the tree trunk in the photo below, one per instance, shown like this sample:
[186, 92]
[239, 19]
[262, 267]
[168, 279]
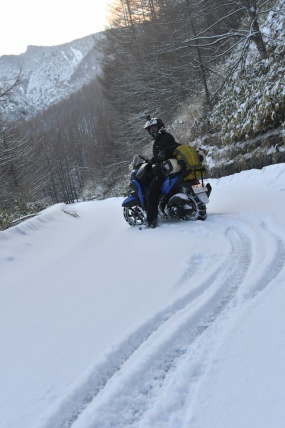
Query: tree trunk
[258, 39]
[201, 65]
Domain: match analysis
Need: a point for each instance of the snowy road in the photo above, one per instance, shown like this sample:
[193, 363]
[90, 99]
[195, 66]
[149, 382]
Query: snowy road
[109, 331]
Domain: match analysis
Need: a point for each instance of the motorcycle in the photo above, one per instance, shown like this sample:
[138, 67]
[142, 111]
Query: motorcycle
[180, 198]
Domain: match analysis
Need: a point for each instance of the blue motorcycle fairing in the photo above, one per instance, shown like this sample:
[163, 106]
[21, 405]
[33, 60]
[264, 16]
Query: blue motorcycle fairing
[136, 186]
[138, 199]
[133, 174]
[168, 184]
[131, 201]
[140, 192]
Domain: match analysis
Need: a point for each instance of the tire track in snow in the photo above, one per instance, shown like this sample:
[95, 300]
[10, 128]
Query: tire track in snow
[70, 409]
[130, 393]
[275, 265]
[167, 361]
[65, 412]
[268, 251]
[269, 267]
[143, 362]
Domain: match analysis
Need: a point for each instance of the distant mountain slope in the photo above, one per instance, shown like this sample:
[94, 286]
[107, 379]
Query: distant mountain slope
[48, 74]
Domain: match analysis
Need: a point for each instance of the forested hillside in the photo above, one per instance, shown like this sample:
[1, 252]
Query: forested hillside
[244, 128]
[213, 70]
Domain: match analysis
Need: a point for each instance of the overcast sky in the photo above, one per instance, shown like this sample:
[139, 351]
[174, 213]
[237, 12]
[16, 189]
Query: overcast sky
[48, 22]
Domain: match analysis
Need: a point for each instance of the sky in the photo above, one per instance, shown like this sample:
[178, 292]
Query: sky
[48, 22]
[106, 325]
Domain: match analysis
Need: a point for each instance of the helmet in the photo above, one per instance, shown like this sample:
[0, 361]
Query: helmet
[154, 126]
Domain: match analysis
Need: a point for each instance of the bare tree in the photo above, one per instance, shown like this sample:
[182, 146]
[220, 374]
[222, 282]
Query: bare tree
[219, 27]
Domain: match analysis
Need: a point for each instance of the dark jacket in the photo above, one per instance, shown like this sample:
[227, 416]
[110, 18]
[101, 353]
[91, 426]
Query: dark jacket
[164, 143]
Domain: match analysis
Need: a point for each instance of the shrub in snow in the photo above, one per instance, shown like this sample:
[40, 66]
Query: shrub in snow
[253, 103]
[5, 219]
[21, 211]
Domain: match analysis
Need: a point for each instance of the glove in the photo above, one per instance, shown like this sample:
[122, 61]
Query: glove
[161, 155]
[182, 163]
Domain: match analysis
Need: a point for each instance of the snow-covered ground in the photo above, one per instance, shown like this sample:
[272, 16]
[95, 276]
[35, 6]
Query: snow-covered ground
[103, 325]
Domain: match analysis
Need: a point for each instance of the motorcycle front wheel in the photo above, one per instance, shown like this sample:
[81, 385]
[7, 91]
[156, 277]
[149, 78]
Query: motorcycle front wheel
[135, 216]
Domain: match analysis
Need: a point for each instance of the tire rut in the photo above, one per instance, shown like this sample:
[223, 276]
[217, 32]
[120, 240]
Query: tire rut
[144, 362]
[149, 365]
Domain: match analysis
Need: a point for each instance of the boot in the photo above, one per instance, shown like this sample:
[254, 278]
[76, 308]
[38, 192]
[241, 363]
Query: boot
[152, 224]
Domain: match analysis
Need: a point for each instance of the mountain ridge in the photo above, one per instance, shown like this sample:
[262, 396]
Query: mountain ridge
[48, 74]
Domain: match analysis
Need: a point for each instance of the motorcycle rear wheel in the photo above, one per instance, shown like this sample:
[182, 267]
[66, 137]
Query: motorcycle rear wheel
[190, 209]
[135, 216]
[199, 209]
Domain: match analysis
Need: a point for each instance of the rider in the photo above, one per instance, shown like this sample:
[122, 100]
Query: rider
[163, 146]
